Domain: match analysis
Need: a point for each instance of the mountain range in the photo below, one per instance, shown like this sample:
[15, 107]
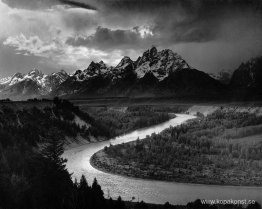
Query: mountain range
[154, 74]
[33, 84]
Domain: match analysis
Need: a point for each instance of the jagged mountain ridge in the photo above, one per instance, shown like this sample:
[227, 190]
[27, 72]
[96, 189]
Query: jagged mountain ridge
[155, 73]
[161, 64]
[34, 83]
[149, 75]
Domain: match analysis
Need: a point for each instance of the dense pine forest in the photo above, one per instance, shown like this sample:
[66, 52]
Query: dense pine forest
[223, 148]
[120, 120]
[31, 125]
[32, 137]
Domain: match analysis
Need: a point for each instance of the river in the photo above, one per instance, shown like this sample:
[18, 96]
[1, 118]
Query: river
[150, 191]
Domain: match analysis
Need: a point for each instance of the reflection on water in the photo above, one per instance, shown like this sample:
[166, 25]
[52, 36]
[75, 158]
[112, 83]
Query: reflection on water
[149, 190]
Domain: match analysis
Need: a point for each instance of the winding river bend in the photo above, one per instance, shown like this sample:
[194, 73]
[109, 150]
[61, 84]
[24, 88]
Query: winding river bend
[150, 191]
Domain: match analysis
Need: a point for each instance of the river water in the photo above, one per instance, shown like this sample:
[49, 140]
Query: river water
[150, 191]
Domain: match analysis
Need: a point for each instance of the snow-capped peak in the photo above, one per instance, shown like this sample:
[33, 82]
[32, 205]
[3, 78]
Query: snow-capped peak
[35, 73]
[124, 62]
[41, 82]
[148, 55]
[61, 72]
[94, 69]
[17, 77]
[60, 76]
[102, 64]
[159, 63]
[5, 80]
[37, 76]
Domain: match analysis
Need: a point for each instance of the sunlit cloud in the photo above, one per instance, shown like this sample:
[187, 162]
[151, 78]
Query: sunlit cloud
[144, 31]
[33, 45]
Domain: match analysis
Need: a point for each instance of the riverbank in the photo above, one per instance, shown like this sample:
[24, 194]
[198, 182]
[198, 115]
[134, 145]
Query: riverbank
[223, 148]
[149, 191]
[101, 161]
[117, 121]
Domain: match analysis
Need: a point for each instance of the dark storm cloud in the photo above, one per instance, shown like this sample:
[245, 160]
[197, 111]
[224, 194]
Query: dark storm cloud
[43, 4]
[189, 4]
[177, 21]
[105, 38]
[220, 33]
[78, 4]
[201, 7]
[79, 22]
[208, 33]
[203, 20]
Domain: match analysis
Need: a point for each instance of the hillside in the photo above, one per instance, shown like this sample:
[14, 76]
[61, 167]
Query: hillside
[34, 122]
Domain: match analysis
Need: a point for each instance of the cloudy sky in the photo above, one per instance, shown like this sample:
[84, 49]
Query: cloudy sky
[50, 35]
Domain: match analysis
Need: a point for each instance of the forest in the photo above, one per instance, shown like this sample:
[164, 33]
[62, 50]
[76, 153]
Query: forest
[46, 184]
[33, 174]
[120, 120]
[223, 148]
[32, 124]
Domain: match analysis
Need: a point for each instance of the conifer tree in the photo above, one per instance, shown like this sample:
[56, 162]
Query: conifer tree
[52, 183]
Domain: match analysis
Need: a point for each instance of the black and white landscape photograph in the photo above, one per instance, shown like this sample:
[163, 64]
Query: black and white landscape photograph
[130, 104]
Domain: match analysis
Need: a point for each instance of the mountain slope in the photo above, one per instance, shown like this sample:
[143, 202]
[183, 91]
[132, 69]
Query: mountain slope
[246, 82]
[33, 84]
[155, 73]
[191, 82]
[161, 64]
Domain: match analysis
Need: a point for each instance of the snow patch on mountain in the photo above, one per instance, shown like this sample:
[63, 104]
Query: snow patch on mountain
[34, 81]
[6, 80]
[160, 64]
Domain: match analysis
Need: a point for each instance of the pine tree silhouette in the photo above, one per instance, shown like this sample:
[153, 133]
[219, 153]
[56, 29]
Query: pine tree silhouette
[52, 185]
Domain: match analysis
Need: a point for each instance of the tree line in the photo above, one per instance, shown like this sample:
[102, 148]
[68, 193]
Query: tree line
[132, 118]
